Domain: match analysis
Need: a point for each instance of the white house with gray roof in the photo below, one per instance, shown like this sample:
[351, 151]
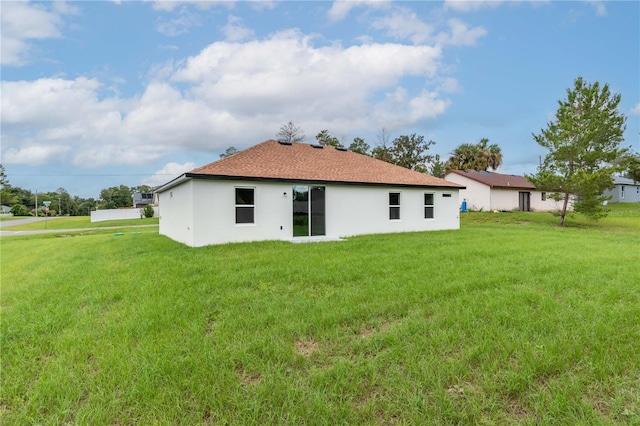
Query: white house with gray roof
[624, 191]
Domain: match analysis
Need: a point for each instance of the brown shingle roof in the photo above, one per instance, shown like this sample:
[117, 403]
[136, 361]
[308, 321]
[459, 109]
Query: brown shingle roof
[271, 160]
[496, 180]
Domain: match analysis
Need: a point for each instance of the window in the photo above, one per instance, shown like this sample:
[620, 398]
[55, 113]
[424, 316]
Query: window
[245, 205]
[622, 191]
[544, 196]
[394, 206]
[429, 206]
[446, 195]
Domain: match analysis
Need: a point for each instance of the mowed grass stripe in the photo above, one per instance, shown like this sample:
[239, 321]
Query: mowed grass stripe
[492, 324]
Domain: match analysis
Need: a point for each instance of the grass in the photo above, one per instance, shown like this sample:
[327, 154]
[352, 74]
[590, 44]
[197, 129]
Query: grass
[79, 222]
[9, 218]
[621, 216]
[497, 323]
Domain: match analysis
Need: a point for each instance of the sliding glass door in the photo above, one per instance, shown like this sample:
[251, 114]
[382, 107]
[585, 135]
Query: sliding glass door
[308, 211]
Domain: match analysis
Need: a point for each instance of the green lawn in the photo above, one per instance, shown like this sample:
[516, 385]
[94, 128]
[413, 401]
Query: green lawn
[514, 322]
[9, 218]
[77, 222]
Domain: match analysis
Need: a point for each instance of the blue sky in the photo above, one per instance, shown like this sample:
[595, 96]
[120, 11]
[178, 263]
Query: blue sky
[99, 94]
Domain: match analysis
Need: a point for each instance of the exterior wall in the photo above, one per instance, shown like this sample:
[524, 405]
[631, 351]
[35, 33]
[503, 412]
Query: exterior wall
[365, 210]
[117, 214]
[631, 193]
[506, 199]
[548, 205]
[478, 195]
[176, 213]
[350, 210]
[214, 216]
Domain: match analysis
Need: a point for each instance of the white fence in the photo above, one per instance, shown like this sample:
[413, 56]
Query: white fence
[117, 214]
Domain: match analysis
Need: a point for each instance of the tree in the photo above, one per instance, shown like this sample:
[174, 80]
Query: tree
[290, 133]
[360, 146]
[631, 165]
[408, 151]
[3, 178]
[227, 153]
[584, 149]
[480, 156]
[325, 139]
[116, 197]
[437, 167]
[19, 210]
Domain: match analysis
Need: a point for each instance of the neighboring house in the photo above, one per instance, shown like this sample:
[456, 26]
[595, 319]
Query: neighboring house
[141, 199]
[624, 191]
[294, 192]
[490, 191]
[5, 209]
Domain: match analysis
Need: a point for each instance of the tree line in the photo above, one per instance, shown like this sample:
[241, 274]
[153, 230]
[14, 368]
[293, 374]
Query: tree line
[23, 201]
[409, 151]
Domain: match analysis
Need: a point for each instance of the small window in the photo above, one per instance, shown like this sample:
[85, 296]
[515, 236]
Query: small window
[245, 205]
[394, 206]
[544, 196]
[622, 191]
[446, 195]
[429, 206]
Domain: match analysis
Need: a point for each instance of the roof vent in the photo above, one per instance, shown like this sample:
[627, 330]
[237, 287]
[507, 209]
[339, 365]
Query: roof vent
[285, 143]
[341, 148]
[317, 146]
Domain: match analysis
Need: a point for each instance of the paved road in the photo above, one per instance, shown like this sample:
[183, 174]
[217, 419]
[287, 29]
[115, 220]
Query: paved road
[16, 222]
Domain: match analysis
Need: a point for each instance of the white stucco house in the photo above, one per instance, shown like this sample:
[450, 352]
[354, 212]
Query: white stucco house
[624, 191]
[489, 191]
[293, 192]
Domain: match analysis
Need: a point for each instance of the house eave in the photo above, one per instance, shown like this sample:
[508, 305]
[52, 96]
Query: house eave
[173, 183]
[313, 181]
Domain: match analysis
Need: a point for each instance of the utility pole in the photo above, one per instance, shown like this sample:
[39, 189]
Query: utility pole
[36, 203]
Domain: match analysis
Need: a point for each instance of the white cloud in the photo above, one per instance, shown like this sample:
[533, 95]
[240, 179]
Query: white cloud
[217, 98]
[235, 30]
[34, 155]
[598, 5]
[180, 25]
[341, 8]
[471, 5]
[22, 22]
[635, 110]
[462, 35]
[170, 5]
[404, 24]
[169, 172]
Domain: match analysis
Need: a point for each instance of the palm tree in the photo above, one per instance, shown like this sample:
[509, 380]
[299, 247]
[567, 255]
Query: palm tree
[480, 156]
[495, 156]
[464, 157]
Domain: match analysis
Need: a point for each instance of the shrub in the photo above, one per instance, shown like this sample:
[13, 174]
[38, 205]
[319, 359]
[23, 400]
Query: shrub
[148, 211]
[20, 210]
